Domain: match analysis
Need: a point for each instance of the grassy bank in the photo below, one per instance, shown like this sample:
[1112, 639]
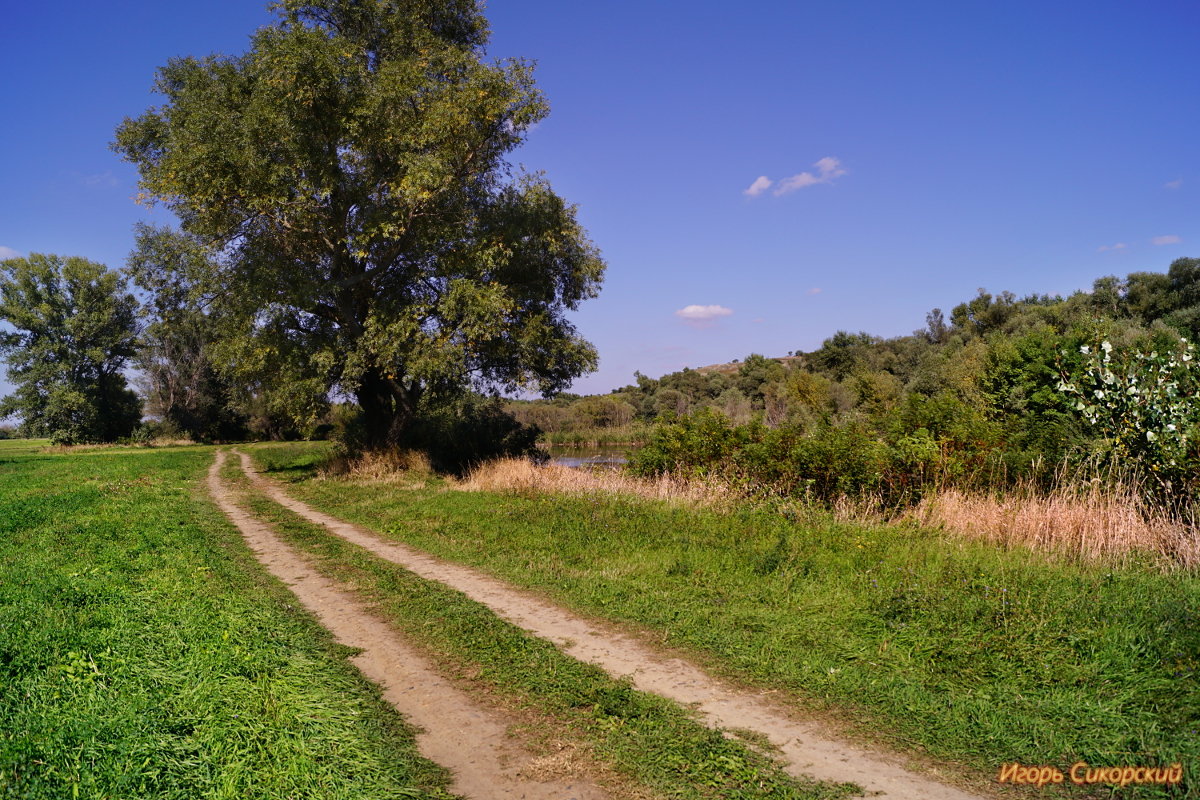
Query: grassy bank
[644, 738]
[143, 653]
[959, 649]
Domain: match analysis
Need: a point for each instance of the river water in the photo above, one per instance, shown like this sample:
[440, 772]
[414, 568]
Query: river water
[610, 456]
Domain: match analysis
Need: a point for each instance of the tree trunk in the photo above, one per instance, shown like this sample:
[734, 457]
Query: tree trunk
[385, 412]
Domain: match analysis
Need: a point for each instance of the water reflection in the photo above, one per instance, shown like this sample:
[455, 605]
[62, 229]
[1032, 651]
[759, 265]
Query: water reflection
[605, 457]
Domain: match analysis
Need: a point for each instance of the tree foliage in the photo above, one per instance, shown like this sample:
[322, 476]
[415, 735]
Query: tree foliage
[181, 382]
[348, 177]
[1008, 391]
[75, 328]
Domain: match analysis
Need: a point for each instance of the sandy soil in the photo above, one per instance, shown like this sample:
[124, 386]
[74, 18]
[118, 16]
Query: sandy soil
[806, 748]
[473, 742]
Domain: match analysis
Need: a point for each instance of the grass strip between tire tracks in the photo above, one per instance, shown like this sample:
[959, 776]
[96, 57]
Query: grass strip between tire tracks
[642, 736]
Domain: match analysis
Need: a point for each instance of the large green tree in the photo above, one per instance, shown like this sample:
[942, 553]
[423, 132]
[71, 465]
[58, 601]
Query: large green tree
[349, 176]
[74, 329]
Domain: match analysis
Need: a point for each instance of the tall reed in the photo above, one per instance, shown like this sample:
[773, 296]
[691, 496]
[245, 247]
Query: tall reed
[521, 475]
[1089, 521]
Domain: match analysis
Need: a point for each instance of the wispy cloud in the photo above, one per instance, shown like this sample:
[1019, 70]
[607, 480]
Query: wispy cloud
[105, 178]
[815, 290]
[1175, 184]
[1107, 247]
[702, 316]
[825, 171]
[1161, 240]
[7, 253]
[828, 168]
[760, 185]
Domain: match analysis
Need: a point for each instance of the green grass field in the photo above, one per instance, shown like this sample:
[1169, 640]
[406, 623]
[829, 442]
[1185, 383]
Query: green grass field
[143, 653]
[962, 651]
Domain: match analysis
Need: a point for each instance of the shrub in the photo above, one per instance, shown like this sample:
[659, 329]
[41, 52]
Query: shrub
[1141, 404]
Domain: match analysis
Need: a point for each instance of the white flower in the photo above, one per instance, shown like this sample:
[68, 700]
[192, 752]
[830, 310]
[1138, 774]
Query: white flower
[1106, 347]
[1085, 350]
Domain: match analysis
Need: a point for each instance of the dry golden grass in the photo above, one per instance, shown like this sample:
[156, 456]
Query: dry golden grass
[96, 446]
[382, 466]
[1090, 522]
[521, 475]
[179, 441]
[78, 448]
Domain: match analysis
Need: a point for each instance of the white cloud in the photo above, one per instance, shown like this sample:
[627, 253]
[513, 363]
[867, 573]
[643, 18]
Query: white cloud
[1160, 240]
[814, 290]
[828, 168]
[7, 253]
[1106, 247]
[760, 185]
[1175, 184]
[702, 316]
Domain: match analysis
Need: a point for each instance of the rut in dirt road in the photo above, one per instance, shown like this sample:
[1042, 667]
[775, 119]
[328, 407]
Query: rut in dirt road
[469, 740]
[806, 749]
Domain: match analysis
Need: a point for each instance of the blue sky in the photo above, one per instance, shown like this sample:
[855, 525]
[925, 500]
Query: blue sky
[756, 179]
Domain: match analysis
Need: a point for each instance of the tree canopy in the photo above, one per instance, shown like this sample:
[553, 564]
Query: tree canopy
[348, 177]
[180, 381]
[75, 328]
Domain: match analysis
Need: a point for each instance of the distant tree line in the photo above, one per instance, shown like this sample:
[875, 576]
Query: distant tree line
[1004, 389]
[976, 398]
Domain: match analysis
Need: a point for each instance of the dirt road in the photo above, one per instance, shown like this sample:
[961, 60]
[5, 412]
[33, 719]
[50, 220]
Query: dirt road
[805, 747]
[473, 742]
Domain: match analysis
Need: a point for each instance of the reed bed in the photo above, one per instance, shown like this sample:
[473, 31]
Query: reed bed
[522, 476]
[1092, 521]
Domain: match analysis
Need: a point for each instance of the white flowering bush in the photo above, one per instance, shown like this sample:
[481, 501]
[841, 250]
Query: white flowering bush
[1144, 407]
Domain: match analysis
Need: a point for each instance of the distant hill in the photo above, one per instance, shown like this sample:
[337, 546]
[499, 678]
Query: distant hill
[731, 367]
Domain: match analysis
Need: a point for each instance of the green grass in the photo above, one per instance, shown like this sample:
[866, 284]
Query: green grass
[143, 652]
[299, 458]
[960, 650]
[645, 737]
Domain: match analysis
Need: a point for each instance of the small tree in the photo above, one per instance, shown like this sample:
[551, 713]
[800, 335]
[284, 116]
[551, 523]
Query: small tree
[75, 329]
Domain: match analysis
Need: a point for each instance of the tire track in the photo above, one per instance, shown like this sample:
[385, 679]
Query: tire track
[806, 749]
[471, 741]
